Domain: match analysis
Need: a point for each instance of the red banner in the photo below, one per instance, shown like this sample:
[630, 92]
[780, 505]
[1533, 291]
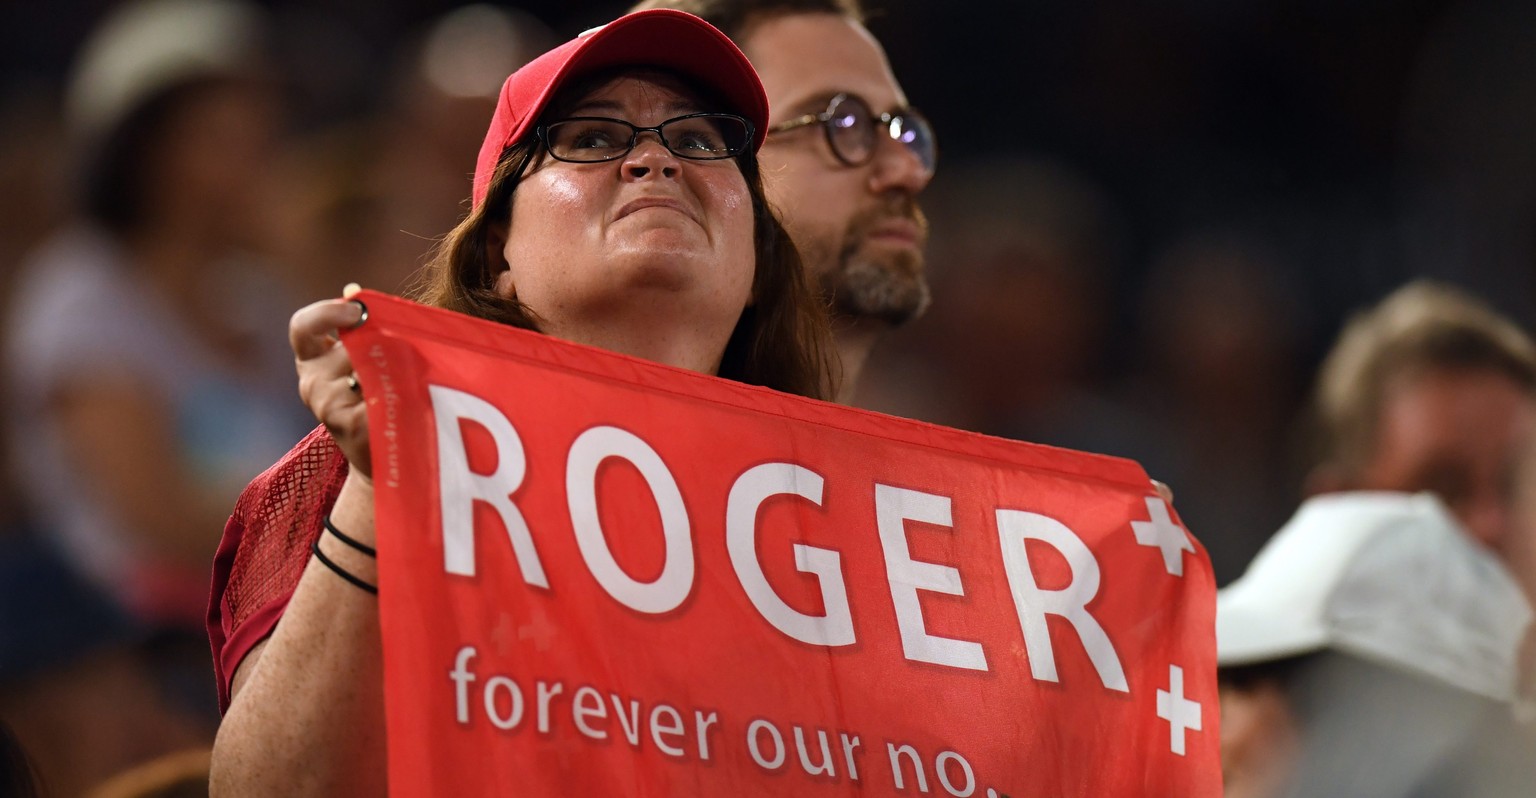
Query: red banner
[605, 577]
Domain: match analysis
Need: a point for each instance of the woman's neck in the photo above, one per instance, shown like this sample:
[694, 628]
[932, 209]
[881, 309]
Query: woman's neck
[651, 338]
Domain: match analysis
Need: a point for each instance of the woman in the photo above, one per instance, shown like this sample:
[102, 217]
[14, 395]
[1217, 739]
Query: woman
[614, 205]
[138, 340]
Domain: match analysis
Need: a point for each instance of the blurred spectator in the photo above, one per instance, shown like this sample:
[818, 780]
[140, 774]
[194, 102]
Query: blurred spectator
[77, 680]
[1023, 342]
[1214, 388]
[444, 89]
[1430, 390]
[1361, 653]
[1021, 250]
[367, 199]
[148, 386]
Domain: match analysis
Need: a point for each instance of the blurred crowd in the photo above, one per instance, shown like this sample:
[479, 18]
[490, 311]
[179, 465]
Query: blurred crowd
[1148, 234]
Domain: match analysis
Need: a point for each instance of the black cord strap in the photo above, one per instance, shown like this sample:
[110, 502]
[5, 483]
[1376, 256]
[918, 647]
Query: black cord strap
[349, 540]
[341, 572]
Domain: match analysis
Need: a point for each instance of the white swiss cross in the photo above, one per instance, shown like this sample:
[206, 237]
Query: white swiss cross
[1181, 713]
[1163, 533]
[539, 630]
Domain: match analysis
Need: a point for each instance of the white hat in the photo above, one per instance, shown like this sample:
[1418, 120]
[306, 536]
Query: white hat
[1388, 577]
[149, 45]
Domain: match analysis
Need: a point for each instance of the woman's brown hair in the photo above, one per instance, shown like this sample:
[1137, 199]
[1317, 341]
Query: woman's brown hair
[781, 341]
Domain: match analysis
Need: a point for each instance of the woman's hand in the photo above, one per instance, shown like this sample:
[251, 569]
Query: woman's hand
[327, 383]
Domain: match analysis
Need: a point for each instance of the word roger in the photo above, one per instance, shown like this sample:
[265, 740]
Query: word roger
[460, 488]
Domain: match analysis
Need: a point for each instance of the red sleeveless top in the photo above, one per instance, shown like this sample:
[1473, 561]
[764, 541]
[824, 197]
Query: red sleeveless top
[265, 548]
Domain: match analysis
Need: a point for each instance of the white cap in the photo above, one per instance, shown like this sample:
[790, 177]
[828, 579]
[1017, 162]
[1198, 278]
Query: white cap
[1388, 577]
[148, 45]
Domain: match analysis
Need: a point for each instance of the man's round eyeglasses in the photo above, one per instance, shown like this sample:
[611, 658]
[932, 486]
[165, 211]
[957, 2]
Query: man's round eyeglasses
[852, 130]
[698, 137]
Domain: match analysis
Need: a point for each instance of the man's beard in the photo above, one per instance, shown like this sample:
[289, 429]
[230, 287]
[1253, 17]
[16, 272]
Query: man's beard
[887, 286]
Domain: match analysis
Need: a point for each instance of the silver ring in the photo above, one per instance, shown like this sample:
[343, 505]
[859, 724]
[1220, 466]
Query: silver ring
[353, 385]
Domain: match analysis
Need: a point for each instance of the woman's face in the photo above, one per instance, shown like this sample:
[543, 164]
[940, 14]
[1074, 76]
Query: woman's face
[649, 254]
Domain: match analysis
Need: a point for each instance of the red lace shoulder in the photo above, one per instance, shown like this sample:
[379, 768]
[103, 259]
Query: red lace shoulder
[266, 546]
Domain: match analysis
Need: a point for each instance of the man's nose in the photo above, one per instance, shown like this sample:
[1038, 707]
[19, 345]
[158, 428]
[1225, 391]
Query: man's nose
[898, 168]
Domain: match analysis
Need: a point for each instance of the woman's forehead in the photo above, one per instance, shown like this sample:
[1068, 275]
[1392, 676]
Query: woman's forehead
[614, 91]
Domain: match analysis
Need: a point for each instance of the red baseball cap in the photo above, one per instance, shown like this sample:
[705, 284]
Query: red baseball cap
[664, 38]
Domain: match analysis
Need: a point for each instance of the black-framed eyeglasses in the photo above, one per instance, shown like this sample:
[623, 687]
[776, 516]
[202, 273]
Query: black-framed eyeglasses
[852, 130]
[698, 137]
